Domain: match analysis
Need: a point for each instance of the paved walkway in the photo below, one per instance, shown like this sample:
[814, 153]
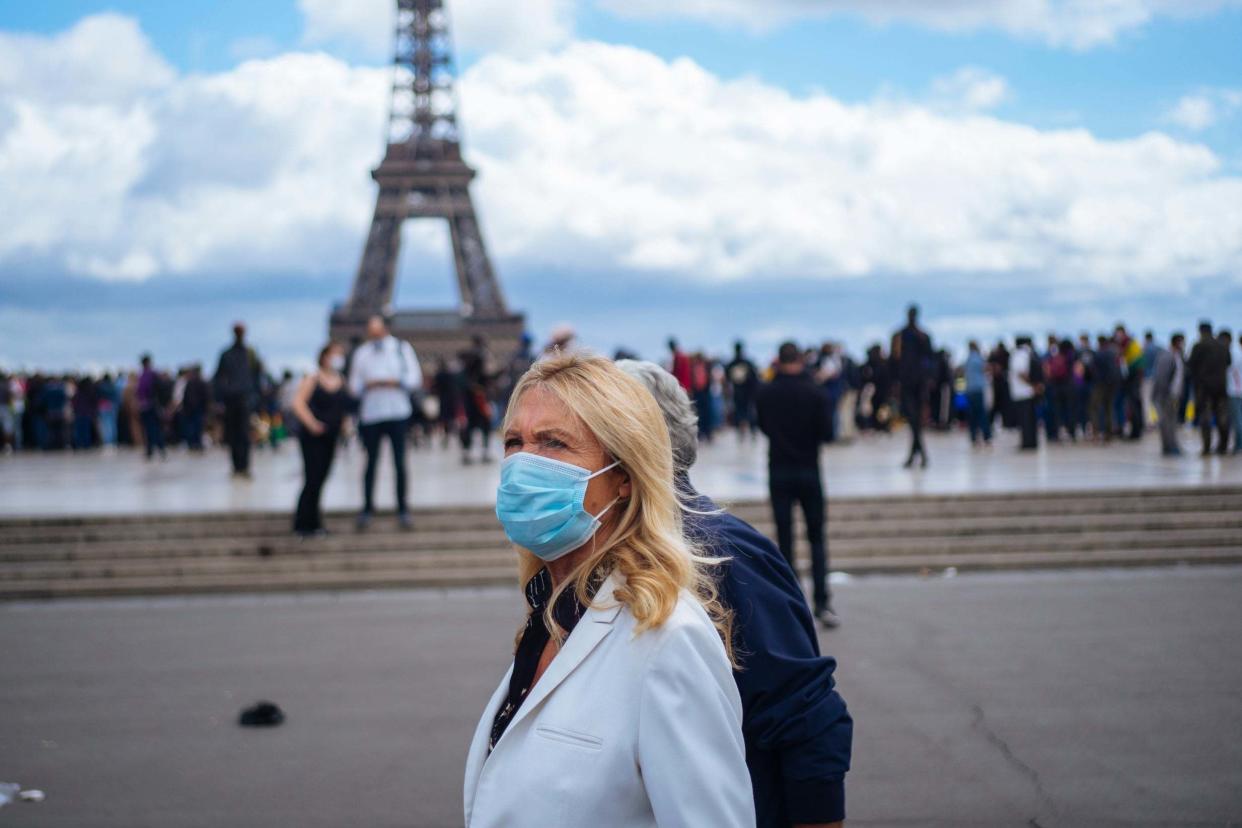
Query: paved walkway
[34, 484]
[1101, 698]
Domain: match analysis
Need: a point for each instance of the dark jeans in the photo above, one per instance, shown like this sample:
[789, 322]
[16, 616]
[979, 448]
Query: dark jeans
[1061, 415]
[237, 433]
[787, 486]
[317, 453]
[1026, 421]
[192, 429]
[980, 423]
[1132, 392]
[153, 429]
[912, 396]
[83, 432]
[1211, 405]
[372, 434]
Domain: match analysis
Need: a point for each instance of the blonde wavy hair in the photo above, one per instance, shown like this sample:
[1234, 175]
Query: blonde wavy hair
[647, 545]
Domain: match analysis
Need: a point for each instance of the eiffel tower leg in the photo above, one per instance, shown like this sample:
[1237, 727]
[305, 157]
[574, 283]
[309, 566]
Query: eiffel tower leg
[373, 286]
[480, 292]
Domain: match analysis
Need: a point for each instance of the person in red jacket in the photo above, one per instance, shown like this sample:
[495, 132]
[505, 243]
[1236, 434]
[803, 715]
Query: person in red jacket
[679, 365]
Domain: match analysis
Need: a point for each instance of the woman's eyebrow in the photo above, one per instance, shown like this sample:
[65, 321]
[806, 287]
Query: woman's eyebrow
[544, 434]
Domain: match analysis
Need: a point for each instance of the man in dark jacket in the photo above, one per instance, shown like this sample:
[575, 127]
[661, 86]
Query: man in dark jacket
[912, 355]
[797, 729]
[1209, 365]
[237, 388]
[794, 415]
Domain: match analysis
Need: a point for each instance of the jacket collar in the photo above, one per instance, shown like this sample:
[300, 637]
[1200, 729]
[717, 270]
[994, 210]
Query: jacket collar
[596, 623]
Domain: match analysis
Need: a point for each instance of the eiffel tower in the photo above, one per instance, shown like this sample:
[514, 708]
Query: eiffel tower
[423, 175]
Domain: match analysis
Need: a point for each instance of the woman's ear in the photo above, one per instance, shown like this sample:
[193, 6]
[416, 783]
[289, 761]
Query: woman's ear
[624, 490]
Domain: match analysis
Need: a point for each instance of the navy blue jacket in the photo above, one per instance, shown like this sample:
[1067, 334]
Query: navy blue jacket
[798, 732]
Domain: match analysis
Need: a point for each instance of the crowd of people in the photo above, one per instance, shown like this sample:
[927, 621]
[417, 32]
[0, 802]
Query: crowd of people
[1114, 386]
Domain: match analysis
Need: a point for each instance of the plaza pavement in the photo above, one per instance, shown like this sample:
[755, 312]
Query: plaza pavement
[123, 483]
[1104, 698]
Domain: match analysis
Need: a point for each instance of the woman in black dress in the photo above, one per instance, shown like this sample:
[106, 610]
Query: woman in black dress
[320, 406]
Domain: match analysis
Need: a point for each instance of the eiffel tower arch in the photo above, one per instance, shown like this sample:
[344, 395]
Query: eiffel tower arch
[423, 175]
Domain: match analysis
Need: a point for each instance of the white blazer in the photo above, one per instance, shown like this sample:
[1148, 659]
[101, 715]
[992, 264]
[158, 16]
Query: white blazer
[620, 730]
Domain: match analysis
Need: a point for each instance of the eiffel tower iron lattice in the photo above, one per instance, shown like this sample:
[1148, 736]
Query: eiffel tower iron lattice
[423, 175]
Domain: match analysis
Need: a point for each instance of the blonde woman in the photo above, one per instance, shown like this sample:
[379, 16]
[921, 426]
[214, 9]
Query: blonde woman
[620, 708]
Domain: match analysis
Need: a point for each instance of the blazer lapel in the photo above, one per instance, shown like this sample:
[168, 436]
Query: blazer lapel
[478, 746]
[588, 633]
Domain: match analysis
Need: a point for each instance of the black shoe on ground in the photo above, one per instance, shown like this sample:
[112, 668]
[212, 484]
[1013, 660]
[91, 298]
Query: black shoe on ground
[406, 522]
[362, 521]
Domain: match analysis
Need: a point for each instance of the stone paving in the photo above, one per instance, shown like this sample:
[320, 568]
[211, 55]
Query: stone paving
[124, 483]
[1106, 698]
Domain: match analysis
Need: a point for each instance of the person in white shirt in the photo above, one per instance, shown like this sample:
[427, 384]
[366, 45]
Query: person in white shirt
[620, 709]
[1022, 390]
[1233, 386]
[383, 374]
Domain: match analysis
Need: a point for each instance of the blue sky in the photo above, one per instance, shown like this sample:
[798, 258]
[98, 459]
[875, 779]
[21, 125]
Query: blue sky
[1135, 130]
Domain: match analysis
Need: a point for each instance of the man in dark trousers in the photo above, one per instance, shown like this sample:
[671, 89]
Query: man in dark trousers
[1209, 367]
[797, 729]
[793, 414]
[237, 389]
[912, 355]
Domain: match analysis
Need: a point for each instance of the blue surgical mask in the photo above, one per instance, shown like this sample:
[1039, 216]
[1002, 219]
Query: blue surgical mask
[539, 503]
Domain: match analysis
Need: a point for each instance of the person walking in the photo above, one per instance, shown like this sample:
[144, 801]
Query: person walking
[1168, 380]
[679, 366]
[236, 384]
[793, 415]
[1023, 388]
[319, 406]
[976, 376]
[912, 354]
[796, 726]
[1132, 382]
[1233, 389]
[1209, 367]
[477, 383]
[85, 408]
[744, 385]
[383, 374]
[1106, 380]
[195, 400]
[146, 398]
[109, 406]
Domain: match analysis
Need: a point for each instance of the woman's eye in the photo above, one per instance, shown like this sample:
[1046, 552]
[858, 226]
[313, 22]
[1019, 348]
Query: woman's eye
[513, 442]
[554, 444]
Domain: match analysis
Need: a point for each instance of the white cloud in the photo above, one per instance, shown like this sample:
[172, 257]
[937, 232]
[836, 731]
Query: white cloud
[596, 157]
[478, 25]
[970, 88]
[609, 153]
[1078, 24]
[1204, 109]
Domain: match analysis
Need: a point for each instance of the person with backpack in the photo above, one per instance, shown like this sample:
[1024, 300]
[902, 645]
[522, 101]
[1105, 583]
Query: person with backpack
[383, 373]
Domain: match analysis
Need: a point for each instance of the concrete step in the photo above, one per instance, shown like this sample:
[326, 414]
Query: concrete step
[306, 558]
[402, 578]
[841, 510]
[24, 543]
[878, 534]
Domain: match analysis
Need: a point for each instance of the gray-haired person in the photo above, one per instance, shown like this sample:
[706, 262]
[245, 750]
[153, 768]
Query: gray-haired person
[797, 729]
